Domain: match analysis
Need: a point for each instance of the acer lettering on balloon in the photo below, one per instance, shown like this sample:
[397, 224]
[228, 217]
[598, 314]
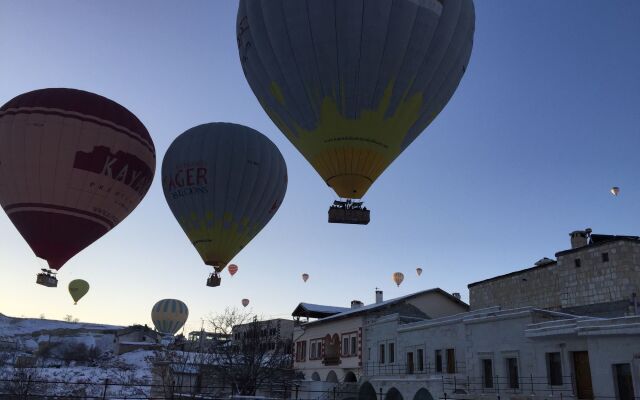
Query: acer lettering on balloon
[73, 165]
[223, 182]
[353, 83]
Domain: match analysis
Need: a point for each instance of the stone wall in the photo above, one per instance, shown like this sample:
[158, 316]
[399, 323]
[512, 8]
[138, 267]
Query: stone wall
[538, 286]
[601, 285]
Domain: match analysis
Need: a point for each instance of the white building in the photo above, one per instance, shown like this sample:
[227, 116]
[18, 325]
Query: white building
[329, 352]
[513, 354]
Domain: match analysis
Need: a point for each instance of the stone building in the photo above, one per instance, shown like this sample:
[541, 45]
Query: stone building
[598, 276]
[329, 351]
[522, 353]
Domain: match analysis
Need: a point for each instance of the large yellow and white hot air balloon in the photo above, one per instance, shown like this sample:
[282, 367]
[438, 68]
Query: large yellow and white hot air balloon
[353, 83]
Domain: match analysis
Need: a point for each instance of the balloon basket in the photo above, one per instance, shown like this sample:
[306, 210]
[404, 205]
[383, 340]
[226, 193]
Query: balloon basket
[47, 278]
[213, 280]
[348, 212]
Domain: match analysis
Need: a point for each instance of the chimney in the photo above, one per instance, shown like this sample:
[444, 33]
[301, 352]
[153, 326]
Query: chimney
[356, 304]
[578, 239]
[378, 296]
[456, 295]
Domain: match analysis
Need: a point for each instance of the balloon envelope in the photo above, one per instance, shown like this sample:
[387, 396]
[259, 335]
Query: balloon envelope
[245, 302]
[615, 190]
[352, 83]
[398, 277]
[419, 271]
[73, 165]
[169, 315]
[77, 289]
[223, 183]
[232, 269]
[305, 277]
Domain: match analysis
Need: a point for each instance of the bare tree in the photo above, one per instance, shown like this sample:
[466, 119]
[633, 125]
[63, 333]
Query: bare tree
[254, 358]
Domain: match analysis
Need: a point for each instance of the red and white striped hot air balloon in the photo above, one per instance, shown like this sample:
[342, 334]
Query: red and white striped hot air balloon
[73, 165]
[232, 269]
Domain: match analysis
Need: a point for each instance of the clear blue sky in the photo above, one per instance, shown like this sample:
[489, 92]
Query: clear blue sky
[544, 122]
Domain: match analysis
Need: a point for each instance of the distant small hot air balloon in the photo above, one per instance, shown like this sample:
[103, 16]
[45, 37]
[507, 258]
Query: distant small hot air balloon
[169, 315]
[398, 277]
[305, 277]
[232, 269]
[78, 288]
[419, 271]
[245, 302]
[615, 190]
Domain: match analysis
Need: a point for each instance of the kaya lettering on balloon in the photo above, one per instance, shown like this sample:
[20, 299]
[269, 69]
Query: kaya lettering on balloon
[186, 180]
[121, 167]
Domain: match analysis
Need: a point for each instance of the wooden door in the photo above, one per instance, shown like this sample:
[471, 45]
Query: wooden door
[410, 362]
[582, 373]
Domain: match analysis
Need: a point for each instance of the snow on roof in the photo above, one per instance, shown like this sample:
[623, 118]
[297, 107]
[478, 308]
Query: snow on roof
[370, 307]
[11, 326]
[323, 309]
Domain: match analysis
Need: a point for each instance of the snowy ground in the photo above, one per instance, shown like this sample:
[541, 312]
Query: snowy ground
[124, 376]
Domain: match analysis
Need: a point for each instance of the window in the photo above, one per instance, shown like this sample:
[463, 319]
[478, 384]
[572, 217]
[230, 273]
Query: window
[301, 350]
[381, 354]
[512, 370]
[577, 262]
[605, 257]
[313, 355]
[420, 360]
[315, 349]
[451, 361]
[392, 353]
[349, 344]
[623, 381]
[554, 369]
[438, 361]
[487, 373]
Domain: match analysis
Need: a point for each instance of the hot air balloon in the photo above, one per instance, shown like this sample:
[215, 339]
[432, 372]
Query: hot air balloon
[615, 190]
[305, 277]
[245, 302]
[169, 315]
[398, 277]
[352, 83]
[232, 268]
[419, 271]
[223, 183]
[78, 288]
[73, 165]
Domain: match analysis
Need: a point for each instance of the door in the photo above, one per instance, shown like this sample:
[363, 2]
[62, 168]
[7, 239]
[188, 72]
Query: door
[624, 381]
[410, 362]
[582, 373]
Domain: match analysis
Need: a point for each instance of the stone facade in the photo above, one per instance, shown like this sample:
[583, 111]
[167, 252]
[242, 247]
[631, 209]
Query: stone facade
[501, 354]
[598, 279]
